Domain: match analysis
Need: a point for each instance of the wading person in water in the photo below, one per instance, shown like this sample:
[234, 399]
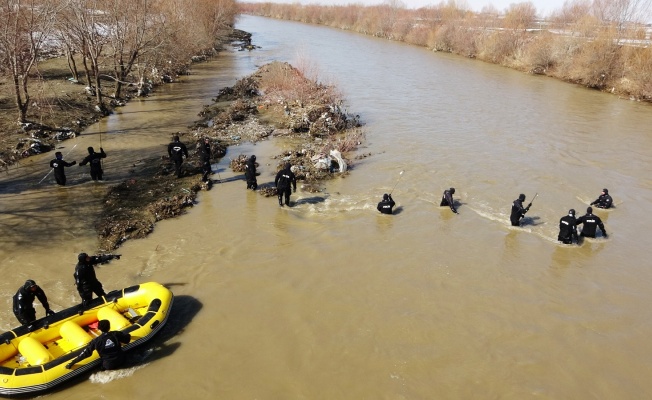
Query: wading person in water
[95, 162]
[58, 166]
[24, 302]
[604, 201]
[568, 228]
[284, 182]
[590, 223]
[251, 173]
[447, 199]
[518, 211]
[386, 204]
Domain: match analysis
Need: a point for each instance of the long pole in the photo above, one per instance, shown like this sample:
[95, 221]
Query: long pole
[100, 130]
[399, 178]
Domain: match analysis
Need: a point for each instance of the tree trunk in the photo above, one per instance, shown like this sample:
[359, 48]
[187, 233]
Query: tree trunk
[72, 66]
[20, 104]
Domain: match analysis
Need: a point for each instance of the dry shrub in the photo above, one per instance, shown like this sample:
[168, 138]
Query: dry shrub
[280, 82]
[598, 63]
[639, 72]
[497, 47]
[538, 56]
[442, 38]
[418, 35]
[463, 42]
[563, 50]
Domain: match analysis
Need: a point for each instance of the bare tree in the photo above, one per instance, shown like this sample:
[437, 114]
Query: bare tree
[26, 26]
[622, 13]
[571, 14]
[84, 23]
[520, 16]
[134, 28]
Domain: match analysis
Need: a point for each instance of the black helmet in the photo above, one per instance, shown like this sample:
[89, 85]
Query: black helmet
[606, 191]
[589, 210]
[176, 138]
[253, 157]
[104, 325]
[521, 197]
[288, 166]
[452, 190]
[385, 196]
[28, 284]
[82, 256]
[90, 150]
[571, 212]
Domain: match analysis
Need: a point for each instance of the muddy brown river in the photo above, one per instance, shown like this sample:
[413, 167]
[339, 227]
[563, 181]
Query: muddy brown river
[330, 299]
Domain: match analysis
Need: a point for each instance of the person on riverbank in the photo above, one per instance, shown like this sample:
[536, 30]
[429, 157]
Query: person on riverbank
[447, 199]
[568, 228]
[251, 173]
[58, 166]
[604, 201]
[108, 346]
[204, 150]
[23, 302]
[176, 151]
[85, 278]
[95, 160]
[386, 204]
[590, 223]
[285, 180]
[518, 211]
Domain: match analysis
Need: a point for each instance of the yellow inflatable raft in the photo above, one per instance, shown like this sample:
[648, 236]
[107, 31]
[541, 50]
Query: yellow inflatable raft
[33, 357]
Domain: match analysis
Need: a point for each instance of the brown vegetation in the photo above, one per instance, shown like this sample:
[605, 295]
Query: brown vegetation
[601, 44]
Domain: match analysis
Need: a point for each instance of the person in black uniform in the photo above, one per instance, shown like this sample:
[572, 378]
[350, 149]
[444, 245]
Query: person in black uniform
[24, 302]
[568, 228]
[204, 150]
[604, 201]
[85, 278]
[386, 204]
[447, 199]
[251, 173]
[176, 151]
[518, 211]
[95, 161]
[589, 224]
[285, 178]
[108, 346]
[58, 166]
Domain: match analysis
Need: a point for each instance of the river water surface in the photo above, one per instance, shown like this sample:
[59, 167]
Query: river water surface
[330, 299]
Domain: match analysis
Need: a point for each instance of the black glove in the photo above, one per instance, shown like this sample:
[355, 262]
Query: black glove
[69, 365]
[295, 190]
[118, 256]
[49, 312]
[74, 162]
[102, 150]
